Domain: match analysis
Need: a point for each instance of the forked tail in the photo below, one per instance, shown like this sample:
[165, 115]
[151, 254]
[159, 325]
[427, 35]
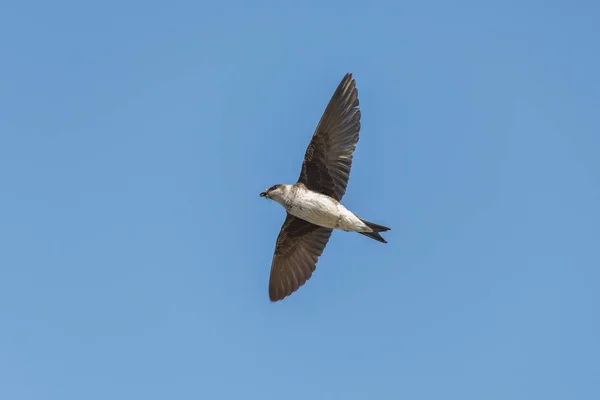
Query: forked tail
[376, 229]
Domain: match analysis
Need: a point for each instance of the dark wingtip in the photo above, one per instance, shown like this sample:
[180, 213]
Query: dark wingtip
[275, 295]
[347, 79]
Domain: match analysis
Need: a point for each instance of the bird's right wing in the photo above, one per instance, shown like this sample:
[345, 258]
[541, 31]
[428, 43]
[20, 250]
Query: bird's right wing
[299, 246]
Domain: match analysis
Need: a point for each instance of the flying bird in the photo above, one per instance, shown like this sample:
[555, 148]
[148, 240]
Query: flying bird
[313, 203]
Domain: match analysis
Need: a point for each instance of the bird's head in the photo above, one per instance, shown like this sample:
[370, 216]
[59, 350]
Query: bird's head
[277, 193]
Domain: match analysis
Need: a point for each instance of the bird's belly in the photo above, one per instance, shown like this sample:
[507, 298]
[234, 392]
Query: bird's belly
[319, 210]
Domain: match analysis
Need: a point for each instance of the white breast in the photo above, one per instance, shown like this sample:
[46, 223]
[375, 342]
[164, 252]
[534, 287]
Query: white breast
[315, 208]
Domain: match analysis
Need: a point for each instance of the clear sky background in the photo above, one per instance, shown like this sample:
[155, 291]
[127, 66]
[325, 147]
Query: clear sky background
[135, 138]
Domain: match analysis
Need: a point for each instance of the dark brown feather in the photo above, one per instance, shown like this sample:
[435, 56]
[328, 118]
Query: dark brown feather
[328, 158]
[299, 246]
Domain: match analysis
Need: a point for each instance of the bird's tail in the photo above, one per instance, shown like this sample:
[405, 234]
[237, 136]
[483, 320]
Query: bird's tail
[376, 229]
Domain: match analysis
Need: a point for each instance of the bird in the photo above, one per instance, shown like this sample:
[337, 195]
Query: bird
[312, 204]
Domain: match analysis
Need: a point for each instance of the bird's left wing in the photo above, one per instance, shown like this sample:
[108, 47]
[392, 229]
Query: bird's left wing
[299, 246]
[328, 157]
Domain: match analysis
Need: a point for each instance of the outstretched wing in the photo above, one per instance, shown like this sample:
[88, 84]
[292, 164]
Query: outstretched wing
[328, 158]
[299, 246]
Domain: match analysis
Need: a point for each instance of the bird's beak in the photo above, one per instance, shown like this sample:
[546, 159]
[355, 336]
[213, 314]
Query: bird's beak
[263, 194]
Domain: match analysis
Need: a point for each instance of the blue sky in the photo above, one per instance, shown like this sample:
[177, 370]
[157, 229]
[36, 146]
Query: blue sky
[135, 138]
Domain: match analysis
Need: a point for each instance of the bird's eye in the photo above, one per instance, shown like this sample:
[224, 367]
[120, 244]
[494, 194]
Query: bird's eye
[274, 187]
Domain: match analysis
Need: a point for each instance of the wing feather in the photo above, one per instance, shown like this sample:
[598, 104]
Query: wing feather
[299, 246]
[328, 158]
